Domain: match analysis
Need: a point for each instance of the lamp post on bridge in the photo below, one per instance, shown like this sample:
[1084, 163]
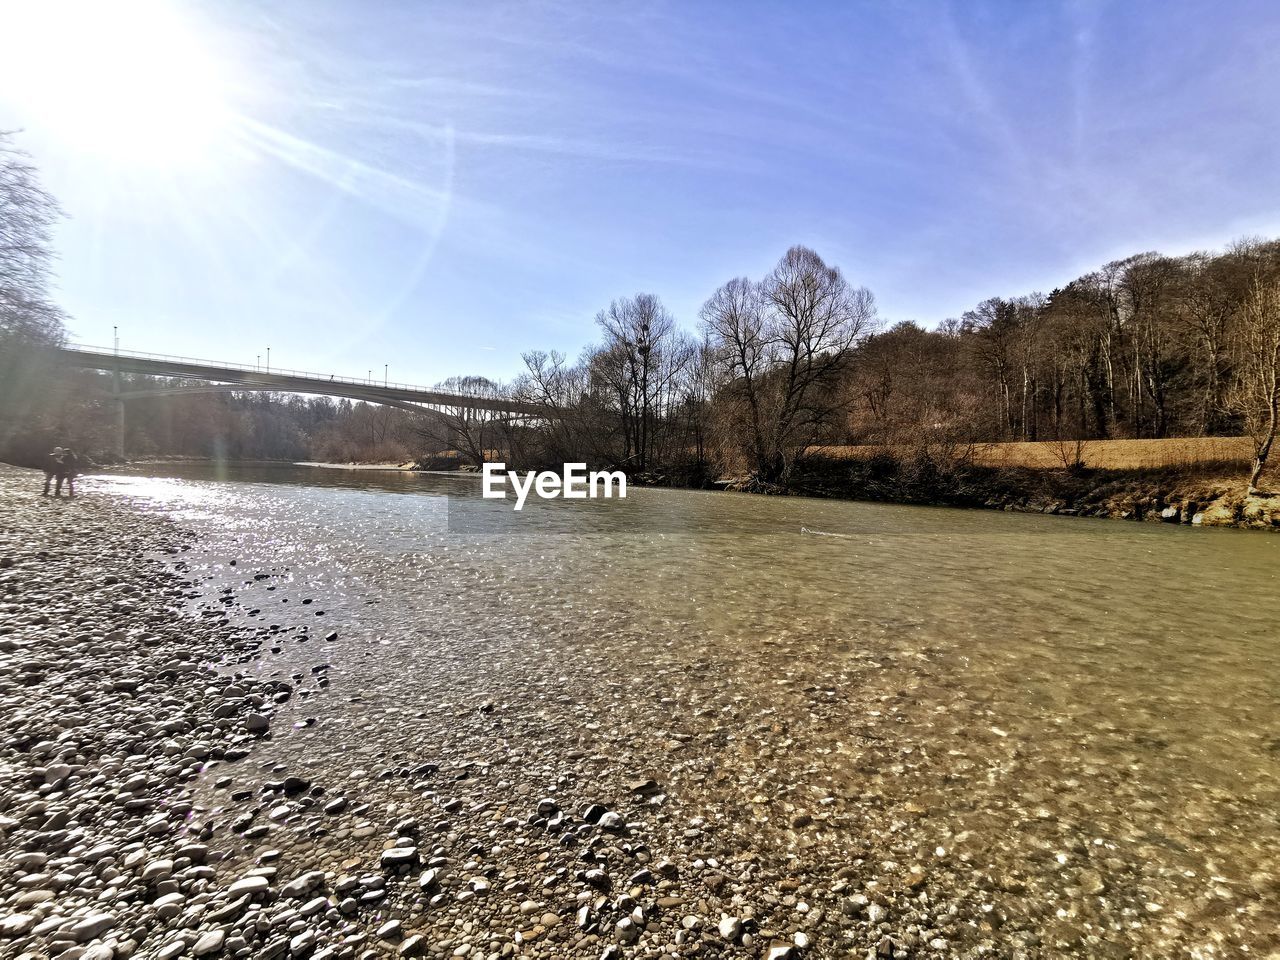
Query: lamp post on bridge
[268, 359]
[385, 366]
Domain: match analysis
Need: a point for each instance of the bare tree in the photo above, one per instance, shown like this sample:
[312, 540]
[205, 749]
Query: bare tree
[1027, 313]
[734, 326]
[637, 333]
[1257, 390]
[694, 392]
[573, 428]
[782, 344]
[612, 382]
[1209, 300]
[472, 431]
[27, 215]
[991, 331]
[29, 320]
[1146, 284]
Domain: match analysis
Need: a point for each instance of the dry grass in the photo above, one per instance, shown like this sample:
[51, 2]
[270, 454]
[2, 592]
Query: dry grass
[1179, 453]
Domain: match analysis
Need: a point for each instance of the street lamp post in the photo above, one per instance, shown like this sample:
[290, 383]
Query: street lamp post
[384, 373]
[268, 359]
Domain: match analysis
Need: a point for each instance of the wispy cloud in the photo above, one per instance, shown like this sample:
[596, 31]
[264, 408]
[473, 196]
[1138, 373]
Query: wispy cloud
[381, 187]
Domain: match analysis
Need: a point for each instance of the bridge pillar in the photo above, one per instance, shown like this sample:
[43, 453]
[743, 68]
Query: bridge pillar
[119, 411]
[119, 431]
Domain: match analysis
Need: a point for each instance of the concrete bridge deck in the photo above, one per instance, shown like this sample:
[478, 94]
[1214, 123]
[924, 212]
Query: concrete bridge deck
[225, 377]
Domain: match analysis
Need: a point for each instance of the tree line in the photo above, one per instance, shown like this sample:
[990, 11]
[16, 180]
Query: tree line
[786, 366]
[774, 372]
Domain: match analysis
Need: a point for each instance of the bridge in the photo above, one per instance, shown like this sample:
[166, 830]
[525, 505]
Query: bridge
[227, 378]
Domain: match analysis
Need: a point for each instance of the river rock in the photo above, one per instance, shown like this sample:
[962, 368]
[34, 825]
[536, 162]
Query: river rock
[92, 927]
[249, 886]
[209, 943]
[730, 928]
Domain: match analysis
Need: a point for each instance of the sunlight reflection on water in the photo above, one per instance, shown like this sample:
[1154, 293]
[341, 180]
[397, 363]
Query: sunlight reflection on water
[183, 499]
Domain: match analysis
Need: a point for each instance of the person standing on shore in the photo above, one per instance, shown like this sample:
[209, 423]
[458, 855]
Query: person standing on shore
[54, 467]
[61, 464]
[70, 470]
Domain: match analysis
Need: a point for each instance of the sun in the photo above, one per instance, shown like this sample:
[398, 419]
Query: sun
[130, 82]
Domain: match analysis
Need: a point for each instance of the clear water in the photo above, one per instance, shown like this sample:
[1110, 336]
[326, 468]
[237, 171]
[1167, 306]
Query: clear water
[1070, 728]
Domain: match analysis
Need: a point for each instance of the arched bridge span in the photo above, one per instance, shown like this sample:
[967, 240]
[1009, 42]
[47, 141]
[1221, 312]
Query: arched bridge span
[226, 378]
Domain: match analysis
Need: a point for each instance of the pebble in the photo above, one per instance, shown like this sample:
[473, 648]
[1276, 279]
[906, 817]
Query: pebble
[249, 886]
[92, 927]
[209, 943]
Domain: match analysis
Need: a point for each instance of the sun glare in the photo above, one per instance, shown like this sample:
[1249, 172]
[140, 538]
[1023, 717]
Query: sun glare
[131, 82]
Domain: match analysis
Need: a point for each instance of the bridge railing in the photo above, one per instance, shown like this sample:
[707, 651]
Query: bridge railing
[250, 368]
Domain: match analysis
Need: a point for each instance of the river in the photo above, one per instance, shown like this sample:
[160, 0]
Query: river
[1057, 735]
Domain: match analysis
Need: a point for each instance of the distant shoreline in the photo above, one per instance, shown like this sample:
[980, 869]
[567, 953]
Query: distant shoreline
[1171, 495]
[143, 461]
[401, 467]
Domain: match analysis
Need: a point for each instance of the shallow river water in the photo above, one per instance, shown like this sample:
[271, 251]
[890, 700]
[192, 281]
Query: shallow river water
[1063, 733]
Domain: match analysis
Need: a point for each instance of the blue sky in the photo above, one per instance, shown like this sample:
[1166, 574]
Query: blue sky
[441, 186]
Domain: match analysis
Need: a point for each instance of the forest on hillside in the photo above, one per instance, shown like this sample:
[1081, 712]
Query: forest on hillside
[772, 371]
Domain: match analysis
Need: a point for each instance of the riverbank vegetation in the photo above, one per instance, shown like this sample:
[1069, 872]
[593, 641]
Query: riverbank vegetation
[782, 382]
[30, 320]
